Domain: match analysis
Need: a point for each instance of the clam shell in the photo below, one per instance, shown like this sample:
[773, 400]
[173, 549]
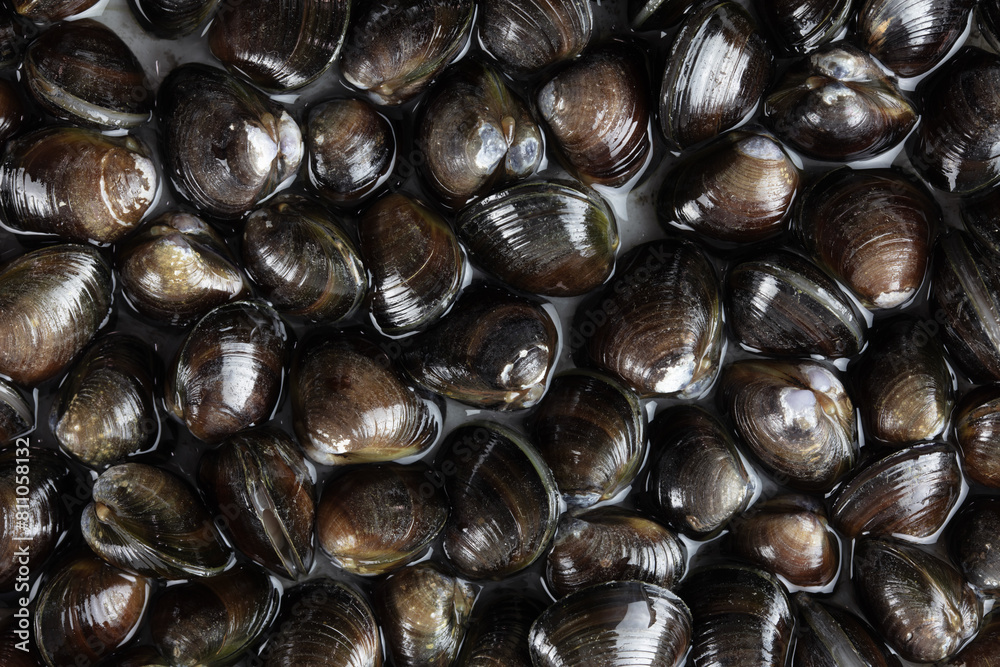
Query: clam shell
[84, 73]
[351, 405]
[416, 263]
[171, 19]
[424, 613]
[87, 610]
[76, 184]
[698, 482]
[177, 269]
[52, 302]
[149, 521]
[527, 35]
[493, 350]
[504, 501]
[982, 650]
[597, 109]
[14, 109]
[614, 624]
[981, 220]
[279, 45]
[657, 14]
[739, 188]
[782, 304]
[801, 27]
[303, 261]
[544, 237]
[795, 418]
[872, 229]
[612, 544]
[919, 603]
[498, 633]
[17, 417]
[395, 48]
[909, 492]
[973, 543]
[260, 482]
[716, 72]
[374, 519]
[977, 424]
[832, 637]
[837, 104]
[106, 408]
[324, 624]
[592, 433]
[658, 323]
[49, 11]
[910, 37]
[228, 372]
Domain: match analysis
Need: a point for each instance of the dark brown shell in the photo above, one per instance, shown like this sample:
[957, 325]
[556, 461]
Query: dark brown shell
[837, 104]
[172, 19]
[910, 492]
[657, 14]
[228, 372]
[980, 215]
[49, 11]
[374, 519]
[527, 35]
[872, 229]
[738, 188]
[351, 405]
[498, 633]
[14, 110]
[17, 416]
[977, 425]
[972, 543]
[598, 110]
[52, 302]
[800, 27]
[982, 650]
[658, 323]
[833, 637]
[910, 37]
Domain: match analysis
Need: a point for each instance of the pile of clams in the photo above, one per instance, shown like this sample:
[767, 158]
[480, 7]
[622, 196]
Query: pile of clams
[520, 333]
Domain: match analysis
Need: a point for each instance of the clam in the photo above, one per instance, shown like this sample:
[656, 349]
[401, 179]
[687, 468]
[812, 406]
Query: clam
[591, 431]
[106, 408]
[658, 323]
[837, 104]
[910, 37]
[228, 372]
[303, 261]
[493, 350]
[597, 109]
[17, 416]
[416, 264]
[956, 148]
[795, 418]
[973, 543]
[982, 650]
[178, 268]
[782, 304]
[909, 492]
[76, 184]
[788, 535]
[49, 11]
[498, 633]
[716, 72]
[87, 610]
[34, 521]
[16, 650]
[698, 482]
[872, 229]
[227, 146]
[262, 487]
[918, 602]
[657, 14]
[171, 19]
[279, 46]
[612, 544]
[613, 624]
[903, 384]
[52, 302]
[395, 48]
[84, 73]
[324, 624]
[214, 620]
[475, 134]
[742, 616]
[545, 237]
[424, 613]
[833, 637]
[527, 35]
[350, 150]
[981, 220]
[965, 293]
[977, 426]
[738, 188]
[350, 404]
[504, 501]
[146, 520]
[14, 109]
[800, 27]
[374, 519]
